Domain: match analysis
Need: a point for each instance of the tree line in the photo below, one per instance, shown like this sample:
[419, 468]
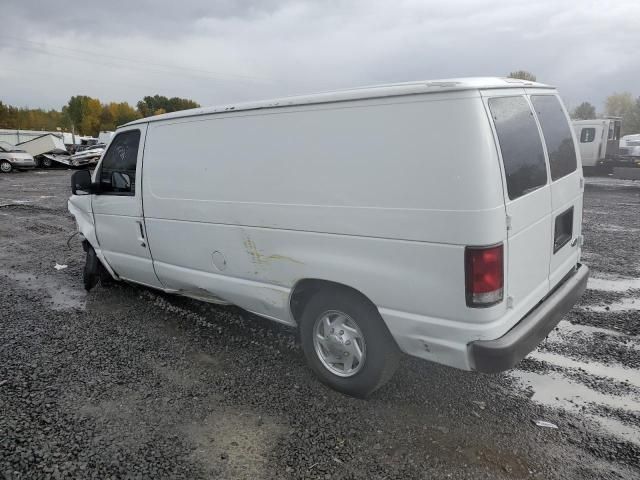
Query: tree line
[88, 116]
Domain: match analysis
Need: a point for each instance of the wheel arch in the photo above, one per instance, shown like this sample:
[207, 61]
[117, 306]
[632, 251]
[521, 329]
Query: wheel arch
[305, 288]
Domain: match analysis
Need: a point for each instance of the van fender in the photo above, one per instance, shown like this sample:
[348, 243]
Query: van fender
[80, 207]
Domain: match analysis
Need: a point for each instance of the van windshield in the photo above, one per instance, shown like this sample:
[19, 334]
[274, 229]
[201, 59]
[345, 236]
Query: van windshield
[557, 135]
[520, 145]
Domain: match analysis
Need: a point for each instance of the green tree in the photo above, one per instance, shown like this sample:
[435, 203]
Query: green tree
[632, 120]
[625, 106]
[584, 111]
[522, 75]
[84, 113]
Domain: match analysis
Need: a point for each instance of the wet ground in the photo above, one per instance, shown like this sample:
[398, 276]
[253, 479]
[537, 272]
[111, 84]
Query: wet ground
[126, 382]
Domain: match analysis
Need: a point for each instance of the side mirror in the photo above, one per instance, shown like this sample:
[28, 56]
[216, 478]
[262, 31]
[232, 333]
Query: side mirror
[81, 183]
[120, 182]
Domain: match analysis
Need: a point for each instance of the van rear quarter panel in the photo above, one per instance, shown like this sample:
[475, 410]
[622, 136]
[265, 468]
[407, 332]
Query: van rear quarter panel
[381, 195]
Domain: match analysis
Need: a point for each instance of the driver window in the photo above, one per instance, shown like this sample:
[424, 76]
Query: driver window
[118, 169]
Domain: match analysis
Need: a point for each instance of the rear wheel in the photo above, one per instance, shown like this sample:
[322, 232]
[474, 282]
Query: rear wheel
[47, 162]
[5, 166]
[346, 342]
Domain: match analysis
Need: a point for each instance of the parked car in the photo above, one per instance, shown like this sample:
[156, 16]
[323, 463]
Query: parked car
[12, 158]
[440, 219]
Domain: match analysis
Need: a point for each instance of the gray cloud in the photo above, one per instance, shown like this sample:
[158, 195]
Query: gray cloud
[227, 51]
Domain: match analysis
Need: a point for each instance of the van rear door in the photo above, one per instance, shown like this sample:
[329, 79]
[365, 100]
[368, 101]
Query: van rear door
[527, 194]
[566, 184]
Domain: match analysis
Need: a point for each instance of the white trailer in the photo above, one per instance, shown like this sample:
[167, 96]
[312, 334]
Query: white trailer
[14, 137]
[43, 144]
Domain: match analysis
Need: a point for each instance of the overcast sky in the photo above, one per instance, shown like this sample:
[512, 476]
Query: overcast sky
[223, 51]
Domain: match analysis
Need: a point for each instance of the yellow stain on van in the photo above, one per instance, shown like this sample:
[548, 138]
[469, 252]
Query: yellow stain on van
[260, 259]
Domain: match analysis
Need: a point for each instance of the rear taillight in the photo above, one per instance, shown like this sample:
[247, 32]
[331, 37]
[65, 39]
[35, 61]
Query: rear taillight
[484, 275]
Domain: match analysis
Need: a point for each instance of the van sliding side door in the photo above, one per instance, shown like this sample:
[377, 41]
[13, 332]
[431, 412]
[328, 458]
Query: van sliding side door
[117, 208]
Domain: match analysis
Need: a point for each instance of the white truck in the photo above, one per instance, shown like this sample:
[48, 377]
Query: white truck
[598, 141]
[349, 216]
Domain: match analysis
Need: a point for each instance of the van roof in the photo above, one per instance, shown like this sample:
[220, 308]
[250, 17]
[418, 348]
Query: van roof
[359, 93]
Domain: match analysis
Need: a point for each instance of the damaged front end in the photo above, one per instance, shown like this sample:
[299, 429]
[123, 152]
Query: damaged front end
[96, 267]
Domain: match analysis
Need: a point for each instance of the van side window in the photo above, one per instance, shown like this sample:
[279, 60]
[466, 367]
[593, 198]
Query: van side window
[587, 135]
[520, 144]
[118, 168]
[557, 135]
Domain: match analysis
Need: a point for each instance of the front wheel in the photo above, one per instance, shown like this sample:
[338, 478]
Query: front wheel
[346, 342]
[5, 166]
[94, 271]
[47, 162]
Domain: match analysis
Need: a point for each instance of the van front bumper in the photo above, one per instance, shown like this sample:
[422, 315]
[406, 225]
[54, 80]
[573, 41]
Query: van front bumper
[491, 356]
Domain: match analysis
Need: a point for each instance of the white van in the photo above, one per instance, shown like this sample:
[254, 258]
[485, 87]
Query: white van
[440, 219]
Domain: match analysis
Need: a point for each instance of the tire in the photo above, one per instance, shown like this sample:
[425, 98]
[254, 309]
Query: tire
[47, 162]
[5, 166]
[94, 272]
[379, 352]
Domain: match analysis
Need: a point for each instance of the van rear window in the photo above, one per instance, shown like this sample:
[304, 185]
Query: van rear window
[557, 135]
[520, 144]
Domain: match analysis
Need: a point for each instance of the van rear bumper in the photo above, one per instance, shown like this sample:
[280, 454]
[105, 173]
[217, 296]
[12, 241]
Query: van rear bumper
[491, 356]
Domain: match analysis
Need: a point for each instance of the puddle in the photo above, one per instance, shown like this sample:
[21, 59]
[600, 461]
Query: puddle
[614, 371]
[567, 332]
[613, 284]
[609, 227]
[62, 297]
[555, 390]
[619, 306]
[9, 201]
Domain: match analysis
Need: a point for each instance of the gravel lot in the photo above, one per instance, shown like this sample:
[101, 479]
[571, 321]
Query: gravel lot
[126, 382]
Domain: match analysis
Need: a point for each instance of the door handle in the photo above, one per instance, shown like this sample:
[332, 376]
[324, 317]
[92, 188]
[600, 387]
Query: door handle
[141, 239]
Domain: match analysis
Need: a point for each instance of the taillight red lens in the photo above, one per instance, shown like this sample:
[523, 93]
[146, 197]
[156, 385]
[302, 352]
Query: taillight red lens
[484, 273]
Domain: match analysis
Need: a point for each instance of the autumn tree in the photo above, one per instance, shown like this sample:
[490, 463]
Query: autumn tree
[584, 111]
[115, 114]
[522, 75]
